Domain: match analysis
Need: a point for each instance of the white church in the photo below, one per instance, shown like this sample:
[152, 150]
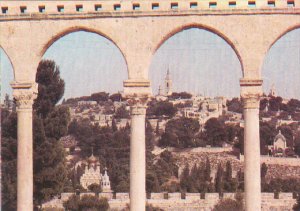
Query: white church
[92, 175]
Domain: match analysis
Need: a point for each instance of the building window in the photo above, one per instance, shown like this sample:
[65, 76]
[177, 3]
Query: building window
[271, 3]
[251, 4]
[98, 7]
[79, 8]
[4, 10]
[212, 4]
[117, 7]
[232, 4]
[23, 9]
[174, 5]
[136, 6]
[41, 9]
[60, 8]
[155, 6]
[291, 4]
[193, 5]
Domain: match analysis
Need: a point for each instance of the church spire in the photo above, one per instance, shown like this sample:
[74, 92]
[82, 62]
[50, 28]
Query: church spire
[168, 77]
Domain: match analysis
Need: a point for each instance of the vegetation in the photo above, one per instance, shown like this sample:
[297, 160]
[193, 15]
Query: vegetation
[235, 105]
[296, 206]
[49, 124]
[180, 95]
[86, 203]
[230, 204]
[161, 108]
[215, 132]
[181, 133]
[51, 87]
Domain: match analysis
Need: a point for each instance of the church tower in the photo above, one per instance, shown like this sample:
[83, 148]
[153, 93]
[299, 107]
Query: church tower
[272, 91]
[168, 84]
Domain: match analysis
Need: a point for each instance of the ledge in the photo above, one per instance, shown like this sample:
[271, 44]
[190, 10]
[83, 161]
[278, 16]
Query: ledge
[251, 82]
[110, 14]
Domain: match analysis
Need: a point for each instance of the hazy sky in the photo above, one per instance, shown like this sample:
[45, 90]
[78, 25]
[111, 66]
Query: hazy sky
[199, 61]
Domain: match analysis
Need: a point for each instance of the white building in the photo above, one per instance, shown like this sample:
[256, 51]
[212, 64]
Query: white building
[92, 175]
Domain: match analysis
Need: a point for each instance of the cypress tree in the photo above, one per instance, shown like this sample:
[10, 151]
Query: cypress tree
[219, 183]
[207, 170]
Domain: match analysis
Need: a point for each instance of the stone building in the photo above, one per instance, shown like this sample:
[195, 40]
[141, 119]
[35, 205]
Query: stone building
[279, 146]
[92, 175]
[105, 182]
[168, 84]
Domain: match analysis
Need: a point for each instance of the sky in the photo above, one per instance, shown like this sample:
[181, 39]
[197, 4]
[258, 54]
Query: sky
[90, 63]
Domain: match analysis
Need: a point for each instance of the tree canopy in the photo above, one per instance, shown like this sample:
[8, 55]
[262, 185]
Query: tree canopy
[51, 87]
[181, 133]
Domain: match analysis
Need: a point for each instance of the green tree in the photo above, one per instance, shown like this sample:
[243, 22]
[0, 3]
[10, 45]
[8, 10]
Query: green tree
[180, 95]
[9, 173]
[184, 178]
[86, 203]
[93, 203]
[161, 108]
[228, 205]
[263, 104]
[114, 125]
[264, 170]
[95, 188]
[99, 96]
[219, 180]
[296, 206]
[275, 103]
[57, 121]
[122, 113]
[230, 184]
[72, 203]
[157, 128]
[235, 105]
[267, 133]
[50, 89]
[117, 97]
[215, 132]
[152, 183]
[180, 133]
[207, 170]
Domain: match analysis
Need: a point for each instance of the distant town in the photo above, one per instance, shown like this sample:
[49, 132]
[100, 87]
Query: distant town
[189, 133]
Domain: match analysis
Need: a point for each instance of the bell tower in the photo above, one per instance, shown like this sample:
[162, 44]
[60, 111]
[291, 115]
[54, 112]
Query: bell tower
[168, 84]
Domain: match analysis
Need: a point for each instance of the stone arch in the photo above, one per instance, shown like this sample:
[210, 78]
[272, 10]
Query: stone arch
[283, 33]
[276, 38]
[199, 26]
[73, 29]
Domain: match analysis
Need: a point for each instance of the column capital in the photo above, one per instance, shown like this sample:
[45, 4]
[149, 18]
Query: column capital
[251, 101]
[251, 91]
[138, 104]
[24, 94]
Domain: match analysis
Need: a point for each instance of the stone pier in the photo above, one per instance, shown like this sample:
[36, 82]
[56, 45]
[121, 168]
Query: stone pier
[250, 93]
[138, 156]
[24, 93]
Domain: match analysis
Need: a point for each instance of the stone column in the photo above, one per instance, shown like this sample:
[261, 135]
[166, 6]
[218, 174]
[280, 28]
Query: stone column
[250, 97]
[137, 155]
[24, 95]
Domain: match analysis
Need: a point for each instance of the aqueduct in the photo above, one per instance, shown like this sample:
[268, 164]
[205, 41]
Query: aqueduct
[138, 28]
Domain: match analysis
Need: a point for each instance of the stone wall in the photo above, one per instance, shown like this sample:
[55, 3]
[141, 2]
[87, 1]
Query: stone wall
[187, 202]
[202, 149]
